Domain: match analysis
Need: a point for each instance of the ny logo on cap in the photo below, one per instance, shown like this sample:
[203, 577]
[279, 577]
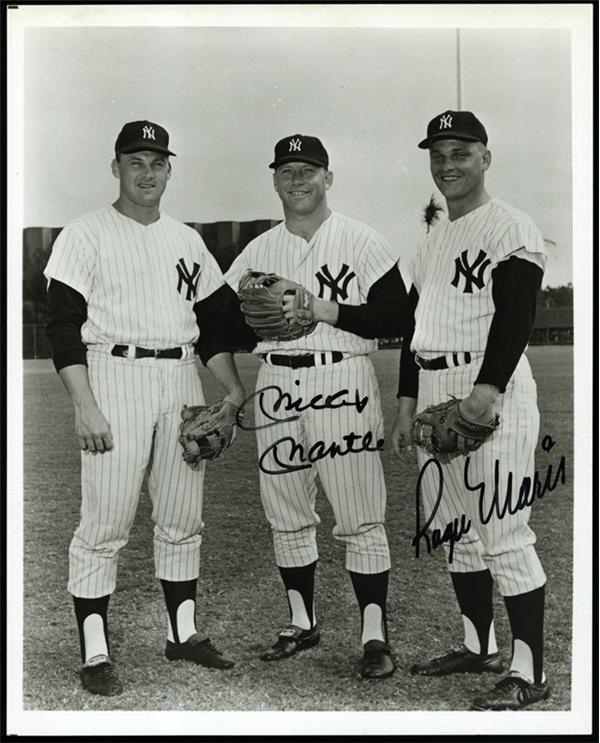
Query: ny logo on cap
[148, 132]
[295, 145]
[446, 121]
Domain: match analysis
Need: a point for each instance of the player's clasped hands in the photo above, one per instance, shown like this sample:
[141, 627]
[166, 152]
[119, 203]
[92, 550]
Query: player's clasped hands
[92, 429]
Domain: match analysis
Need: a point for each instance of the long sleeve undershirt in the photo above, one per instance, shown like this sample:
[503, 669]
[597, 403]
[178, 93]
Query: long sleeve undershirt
[516, 283]
[222, 327]
[221, 323]
[67, 311]
[385, 313]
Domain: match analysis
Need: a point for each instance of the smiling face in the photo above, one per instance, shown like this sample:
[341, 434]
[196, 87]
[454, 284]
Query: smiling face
[458, 169]
[143, 178]
[302, 187]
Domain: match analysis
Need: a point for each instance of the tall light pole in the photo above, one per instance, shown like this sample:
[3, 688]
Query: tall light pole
[459, 82]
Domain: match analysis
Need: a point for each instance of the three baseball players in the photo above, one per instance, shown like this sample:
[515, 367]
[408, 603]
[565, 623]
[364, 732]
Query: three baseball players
[132, 294]
[358, 295]
[477, 274]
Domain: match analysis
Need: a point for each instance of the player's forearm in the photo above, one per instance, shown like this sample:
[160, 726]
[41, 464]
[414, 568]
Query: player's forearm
[376, 319]
[76, 381]
[406, 406]
[91, 427]
[222, 367]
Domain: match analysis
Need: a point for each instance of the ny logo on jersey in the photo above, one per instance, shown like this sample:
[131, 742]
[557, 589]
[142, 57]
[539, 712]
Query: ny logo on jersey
[148, 132]
[468, 271]
[338, 285]
[446, 121]
[295, 145]
[189, 279]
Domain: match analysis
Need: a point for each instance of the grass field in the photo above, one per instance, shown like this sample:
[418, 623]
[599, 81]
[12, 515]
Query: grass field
[241, 602]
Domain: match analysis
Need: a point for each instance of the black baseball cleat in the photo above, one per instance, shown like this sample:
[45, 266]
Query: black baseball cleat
[291, 639]
[101, 679]
[199, 651]
[459, 660]
[512, 693]
[377, 661]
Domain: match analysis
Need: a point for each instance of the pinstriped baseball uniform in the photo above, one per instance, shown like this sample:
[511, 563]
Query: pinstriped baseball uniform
[140, 283]
[341, 262]
[453, 275]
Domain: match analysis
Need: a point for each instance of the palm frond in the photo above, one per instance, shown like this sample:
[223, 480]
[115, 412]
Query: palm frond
[430, 212]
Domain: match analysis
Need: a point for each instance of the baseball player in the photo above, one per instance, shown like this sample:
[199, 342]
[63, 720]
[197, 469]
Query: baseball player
[317, 405]
[132, 295]
[477, 274]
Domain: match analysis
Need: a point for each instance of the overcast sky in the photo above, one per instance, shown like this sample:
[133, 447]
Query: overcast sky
[227, 94]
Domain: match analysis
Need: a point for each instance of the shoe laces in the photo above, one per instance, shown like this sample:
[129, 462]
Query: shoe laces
[104, 671]
[207, 645]
[510, 682]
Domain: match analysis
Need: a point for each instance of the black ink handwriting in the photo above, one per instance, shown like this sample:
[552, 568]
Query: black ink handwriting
[290, 456]
[454, 529]
[272, 400]
[509, 501]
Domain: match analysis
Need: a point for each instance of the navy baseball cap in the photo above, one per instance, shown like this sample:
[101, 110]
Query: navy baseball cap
[143, 135]
[455, 125]
[300, 148]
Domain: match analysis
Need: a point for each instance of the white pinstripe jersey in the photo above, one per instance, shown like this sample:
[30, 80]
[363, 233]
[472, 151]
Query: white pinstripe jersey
[341, 262]
[140, 282]
[453, 275]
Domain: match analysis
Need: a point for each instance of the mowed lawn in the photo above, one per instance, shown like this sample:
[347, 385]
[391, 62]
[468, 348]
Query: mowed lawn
[241, 602]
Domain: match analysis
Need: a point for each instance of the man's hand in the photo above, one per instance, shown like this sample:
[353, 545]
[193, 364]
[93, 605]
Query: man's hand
[92, 429]
[402, 444]
[480, 405]
[323, 309]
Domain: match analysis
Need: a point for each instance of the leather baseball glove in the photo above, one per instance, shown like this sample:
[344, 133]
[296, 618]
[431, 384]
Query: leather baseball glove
[261, 296]
[443, 429]
[207, 430]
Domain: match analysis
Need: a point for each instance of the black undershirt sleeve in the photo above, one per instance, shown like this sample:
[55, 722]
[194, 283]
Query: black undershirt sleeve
[385, 313]
[222, 325]
[66, 313]
[408, 380]
[516, 283]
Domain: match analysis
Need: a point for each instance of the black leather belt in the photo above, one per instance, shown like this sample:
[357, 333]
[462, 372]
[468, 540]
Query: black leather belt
[296, 362]
[441, 362]
[144, 353]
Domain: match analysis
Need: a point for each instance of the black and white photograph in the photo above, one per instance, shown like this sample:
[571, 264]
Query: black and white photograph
[299, 370]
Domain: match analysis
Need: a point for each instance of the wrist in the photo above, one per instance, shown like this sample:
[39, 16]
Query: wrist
[85, 400]
[407, 405]
[485, 393]
[481, 402]
[325, 311]
[236, 396]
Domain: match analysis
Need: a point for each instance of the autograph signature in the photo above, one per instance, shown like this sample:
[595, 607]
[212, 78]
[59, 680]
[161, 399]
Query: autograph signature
[288, 455]
[504, 500]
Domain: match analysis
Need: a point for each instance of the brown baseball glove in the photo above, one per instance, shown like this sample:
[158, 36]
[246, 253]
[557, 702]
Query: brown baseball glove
[444, 429]
[261, 296]
[207, 430]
